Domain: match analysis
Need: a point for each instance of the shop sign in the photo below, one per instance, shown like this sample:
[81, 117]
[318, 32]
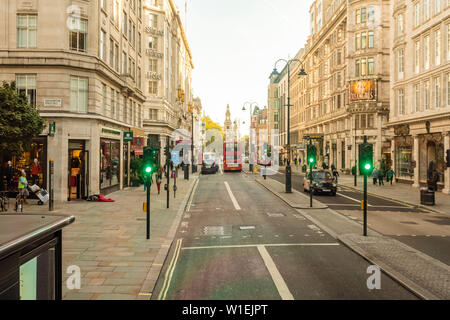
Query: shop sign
[362, 90]
[128, 136]
[110, 131]
[313, 136]
[51, 129]
[53, 103]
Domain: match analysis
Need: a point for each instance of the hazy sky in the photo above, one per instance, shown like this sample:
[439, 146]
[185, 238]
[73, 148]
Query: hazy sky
[235, 45]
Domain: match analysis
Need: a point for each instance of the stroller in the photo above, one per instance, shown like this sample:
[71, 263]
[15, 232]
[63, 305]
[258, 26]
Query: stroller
[42, 194]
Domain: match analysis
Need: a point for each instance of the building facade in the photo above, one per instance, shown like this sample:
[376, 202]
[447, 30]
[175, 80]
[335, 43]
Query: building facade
[420, 90]
[345, 94]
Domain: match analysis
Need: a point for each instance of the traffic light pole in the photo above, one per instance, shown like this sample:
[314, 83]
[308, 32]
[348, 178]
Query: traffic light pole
[310, 180]
[148, 182]
[365, 196]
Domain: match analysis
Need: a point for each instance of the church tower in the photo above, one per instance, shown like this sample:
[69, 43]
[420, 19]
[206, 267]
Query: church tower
[227, 124]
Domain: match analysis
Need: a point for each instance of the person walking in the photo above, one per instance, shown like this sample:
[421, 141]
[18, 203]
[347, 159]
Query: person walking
[375, 176]
[390, 176]
[159, 179]
[23, 186]
[335, 173]
[9, 174]
[380, 177]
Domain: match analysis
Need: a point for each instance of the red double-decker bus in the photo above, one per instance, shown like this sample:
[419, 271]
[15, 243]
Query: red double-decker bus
[232, 157]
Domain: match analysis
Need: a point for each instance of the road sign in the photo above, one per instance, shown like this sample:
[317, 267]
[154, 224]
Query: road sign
[128, 136]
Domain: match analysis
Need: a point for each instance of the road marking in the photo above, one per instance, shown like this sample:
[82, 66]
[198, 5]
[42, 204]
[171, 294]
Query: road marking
[282, 288]
[192, 196]
[233, 199]
[353, 199]
[266, 245]
[169, 272]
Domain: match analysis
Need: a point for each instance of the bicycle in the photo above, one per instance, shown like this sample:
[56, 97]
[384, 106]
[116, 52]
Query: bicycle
[4, 201]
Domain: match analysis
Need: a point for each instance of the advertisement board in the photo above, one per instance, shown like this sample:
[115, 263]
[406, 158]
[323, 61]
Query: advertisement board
[362, 90]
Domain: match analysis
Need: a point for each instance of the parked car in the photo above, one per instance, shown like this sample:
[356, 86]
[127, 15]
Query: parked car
[322, 182]
[210, 163]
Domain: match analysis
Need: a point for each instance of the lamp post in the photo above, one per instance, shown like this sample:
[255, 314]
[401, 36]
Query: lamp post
[194, 166]
[301, 73]
[250, 149]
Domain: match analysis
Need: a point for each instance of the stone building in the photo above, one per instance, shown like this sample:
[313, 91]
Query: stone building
[420, 90]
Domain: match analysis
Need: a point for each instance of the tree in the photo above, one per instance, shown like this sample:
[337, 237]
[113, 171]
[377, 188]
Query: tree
[212, 125]
[19, 122]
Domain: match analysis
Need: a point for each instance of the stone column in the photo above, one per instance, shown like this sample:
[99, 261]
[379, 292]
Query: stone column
[446, 189]
[416, 158]
[339, 165]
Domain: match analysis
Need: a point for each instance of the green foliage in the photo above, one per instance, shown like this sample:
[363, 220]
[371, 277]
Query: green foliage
[136, 166]
[19, 122]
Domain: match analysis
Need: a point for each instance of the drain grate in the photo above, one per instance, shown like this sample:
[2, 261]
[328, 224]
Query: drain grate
[217, 230]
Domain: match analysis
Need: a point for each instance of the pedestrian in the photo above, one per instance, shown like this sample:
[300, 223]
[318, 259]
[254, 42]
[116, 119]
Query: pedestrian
[375, 176]
[380, 177]
[36, 170]
[9, 175]
[335, 173]
[159, 179]
[390, 176]
[23, 186]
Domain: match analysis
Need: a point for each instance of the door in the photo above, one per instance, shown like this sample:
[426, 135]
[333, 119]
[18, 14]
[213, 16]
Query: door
[77, 166]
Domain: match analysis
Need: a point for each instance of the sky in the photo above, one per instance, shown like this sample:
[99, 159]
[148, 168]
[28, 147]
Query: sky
[235, 45]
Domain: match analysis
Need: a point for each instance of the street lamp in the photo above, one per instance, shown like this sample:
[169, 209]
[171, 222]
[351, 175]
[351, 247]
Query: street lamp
[250, 151]
[301, 73]
[194, 166]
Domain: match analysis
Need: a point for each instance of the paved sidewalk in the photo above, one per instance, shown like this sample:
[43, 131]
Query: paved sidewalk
[423, 275]
[398, 191]
[108, 241]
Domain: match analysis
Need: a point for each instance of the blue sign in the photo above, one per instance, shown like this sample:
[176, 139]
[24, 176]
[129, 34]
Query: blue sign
[175, 157]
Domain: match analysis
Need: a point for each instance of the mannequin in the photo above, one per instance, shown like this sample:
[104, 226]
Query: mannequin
[36, 170]
[9, 174]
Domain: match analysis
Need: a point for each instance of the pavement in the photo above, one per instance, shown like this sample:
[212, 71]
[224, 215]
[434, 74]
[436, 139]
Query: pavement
[427, 277]
[239, 241]
[108, 241]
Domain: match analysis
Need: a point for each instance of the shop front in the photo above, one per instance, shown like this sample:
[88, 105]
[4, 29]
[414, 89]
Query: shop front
[404, 165]
[110, 159]
[78, 170]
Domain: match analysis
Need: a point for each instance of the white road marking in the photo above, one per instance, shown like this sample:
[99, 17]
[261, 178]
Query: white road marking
[192, 196]
[353, 199]
[266, 245]
[282, 288]
[233, 199]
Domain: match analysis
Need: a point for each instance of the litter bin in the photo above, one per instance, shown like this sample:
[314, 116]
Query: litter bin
[427, 197]
[31, 256]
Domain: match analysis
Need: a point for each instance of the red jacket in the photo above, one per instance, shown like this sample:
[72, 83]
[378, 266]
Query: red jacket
[36, 169]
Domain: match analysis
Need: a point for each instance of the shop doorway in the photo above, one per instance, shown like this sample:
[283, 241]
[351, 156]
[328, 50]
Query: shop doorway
[78, 171]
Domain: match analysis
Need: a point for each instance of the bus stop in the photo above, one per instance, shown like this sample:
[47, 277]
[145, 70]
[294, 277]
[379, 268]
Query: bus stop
[31, 256]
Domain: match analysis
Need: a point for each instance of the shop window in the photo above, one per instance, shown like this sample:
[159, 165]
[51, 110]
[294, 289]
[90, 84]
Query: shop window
[403, 158]
[109, 163]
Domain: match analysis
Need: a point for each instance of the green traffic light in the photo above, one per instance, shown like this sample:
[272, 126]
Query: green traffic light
[311, 160]
[148, 169]
[368, 166]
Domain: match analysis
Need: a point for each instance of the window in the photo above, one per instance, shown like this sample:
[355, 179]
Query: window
[401, 63]
[370, 65]
[417, 14]
[363, 40]
[133, 36]
[139, 116]
[116, 7]
[400, 101]
[358, 16]
[426, 10]
[371, 39]
[104, 97]
[153, 114]
[116, 53]
[363, 67]
[426, 95]
[152, 43]
[78, 37]
[417, 98]
[400, 24]
[363, 15]
[130, 73]
[78, 94]
[26, 84]
[117, 105]
[103, 45]
[124, 62]
[362, 120]
[358, 41]
[111, 53]
[139, 9]
[416, 56]
[448, 42]
[152, 20]
[103, 4]
[437, 92]
[426, 52]
[371, 14]
[26, 31]
[153, 87]
[113, 103]
[370, 121]
[139, 42]
[357, 68]
[138, 82]
[124, 24]
[437, 6]
[448, 89]
[437, 47]
[153, 65]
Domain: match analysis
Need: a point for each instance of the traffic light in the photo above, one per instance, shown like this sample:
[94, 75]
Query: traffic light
[312, 155]
[366, 158]
[167, 153]
[151, 161]
[265, 149]
[448, 158]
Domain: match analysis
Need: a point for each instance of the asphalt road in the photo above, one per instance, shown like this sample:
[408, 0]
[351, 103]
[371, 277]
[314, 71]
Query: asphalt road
[239, 241]
[421, 229]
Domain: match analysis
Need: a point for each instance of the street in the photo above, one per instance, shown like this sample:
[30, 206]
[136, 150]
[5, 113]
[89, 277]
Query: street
[419, 228]
[239, 241]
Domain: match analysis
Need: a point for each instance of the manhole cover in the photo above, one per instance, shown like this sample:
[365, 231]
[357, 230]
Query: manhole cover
[275, 215]
[217, 230]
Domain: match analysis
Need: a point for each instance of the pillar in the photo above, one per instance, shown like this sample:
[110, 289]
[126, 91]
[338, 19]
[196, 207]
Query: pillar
[416, 158]
[446, 189]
